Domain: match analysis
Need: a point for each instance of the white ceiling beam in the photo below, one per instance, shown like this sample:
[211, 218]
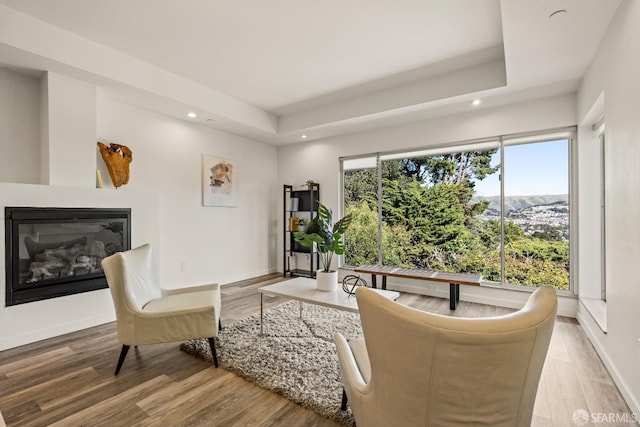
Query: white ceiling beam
[473, 79]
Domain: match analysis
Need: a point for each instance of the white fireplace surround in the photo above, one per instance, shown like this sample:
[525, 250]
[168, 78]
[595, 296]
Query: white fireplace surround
[25, 323]
[50, 125]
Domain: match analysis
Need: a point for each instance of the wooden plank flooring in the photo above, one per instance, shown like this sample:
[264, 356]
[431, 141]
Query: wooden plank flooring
[68, 380]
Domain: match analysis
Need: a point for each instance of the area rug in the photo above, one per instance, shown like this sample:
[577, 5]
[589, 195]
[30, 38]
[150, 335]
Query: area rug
[296, 357]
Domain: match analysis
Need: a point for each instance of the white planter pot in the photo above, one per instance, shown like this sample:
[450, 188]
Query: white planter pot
[327, 282]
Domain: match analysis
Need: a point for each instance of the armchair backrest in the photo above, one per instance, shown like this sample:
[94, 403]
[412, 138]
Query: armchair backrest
[430, 370]
[131, 283]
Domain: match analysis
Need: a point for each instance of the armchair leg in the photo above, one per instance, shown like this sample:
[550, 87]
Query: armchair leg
[213, 352]
[343, 405]
[123, 354]
[219, 324]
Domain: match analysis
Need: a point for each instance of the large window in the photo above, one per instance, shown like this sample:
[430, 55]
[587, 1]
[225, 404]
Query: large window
[361, 200]
[448, 209]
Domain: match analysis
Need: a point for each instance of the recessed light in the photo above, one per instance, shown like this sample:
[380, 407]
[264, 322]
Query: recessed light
[303, 136]
[558, 13]
[192, 115]
[476, 102]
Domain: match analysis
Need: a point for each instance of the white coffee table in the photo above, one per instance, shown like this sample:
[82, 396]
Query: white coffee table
[304, 290]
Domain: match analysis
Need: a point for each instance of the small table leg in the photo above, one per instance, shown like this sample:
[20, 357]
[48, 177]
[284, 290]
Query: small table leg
[374, 281]
[343, 405]
[261, 313]
[454, 295]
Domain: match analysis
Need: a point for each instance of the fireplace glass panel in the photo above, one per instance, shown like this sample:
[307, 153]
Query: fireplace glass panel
[53, 252]
[68, 249]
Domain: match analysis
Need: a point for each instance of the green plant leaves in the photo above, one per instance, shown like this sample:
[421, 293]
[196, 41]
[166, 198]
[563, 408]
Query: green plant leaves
[328, 238]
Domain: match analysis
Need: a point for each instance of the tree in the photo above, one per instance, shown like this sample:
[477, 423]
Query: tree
[442, 217]
[460, 170]
[454, 168]
[428, 221]
[361, 240]
[432, 219]
[361, 185]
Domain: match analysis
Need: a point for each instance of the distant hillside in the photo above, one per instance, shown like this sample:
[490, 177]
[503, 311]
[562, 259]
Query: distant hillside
[514, 203]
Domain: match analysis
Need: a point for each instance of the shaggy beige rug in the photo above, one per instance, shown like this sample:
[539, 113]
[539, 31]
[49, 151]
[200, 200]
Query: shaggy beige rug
[296, 357]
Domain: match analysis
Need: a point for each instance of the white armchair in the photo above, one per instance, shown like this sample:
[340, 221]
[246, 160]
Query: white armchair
[146, 314]
[420, 369]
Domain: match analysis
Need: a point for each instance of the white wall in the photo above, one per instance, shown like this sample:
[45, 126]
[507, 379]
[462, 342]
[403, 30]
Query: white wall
[19, 128]
[220, 244]
[614, 71]
[590, 189]
[215, 244]
[25, 323]
[70, 132]
[319, 160]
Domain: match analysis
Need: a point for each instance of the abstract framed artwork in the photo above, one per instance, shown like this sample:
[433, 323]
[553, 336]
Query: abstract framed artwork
[219, 181]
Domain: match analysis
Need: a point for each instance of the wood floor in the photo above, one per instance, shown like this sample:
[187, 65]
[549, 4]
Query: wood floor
[68, 380]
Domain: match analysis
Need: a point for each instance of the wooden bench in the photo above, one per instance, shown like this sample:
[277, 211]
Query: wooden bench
[453, 279]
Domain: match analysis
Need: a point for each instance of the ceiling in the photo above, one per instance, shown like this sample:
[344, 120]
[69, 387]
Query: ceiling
[280, 69]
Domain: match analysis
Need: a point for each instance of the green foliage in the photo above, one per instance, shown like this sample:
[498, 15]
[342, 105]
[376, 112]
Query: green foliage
[443, 219]
[512, 233]
[396, 246]
[548, 232]
[488, 233]
[361, 185]
[361, 240]
[454, 168]
[327, 237]
[536, 273]
[430, 220]
[534, 248]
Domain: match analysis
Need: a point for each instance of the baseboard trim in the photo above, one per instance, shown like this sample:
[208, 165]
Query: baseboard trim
[592, 331]
[43, 334]
[229, 280]
[567, 306]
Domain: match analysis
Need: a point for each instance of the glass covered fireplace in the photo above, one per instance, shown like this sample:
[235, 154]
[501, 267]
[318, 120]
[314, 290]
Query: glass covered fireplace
[51, 252]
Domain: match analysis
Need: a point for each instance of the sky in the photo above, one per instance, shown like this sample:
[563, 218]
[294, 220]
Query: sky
[530, 170]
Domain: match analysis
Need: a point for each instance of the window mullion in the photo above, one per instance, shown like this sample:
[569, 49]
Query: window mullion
[502, 252]
[379, 163]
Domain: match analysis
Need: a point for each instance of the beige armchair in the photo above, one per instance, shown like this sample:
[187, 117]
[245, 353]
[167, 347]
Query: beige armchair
[146, 314]
[420, 369]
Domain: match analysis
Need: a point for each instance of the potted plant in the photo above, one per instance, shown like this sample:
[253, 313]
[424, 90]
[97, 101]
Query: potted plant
[328, 240]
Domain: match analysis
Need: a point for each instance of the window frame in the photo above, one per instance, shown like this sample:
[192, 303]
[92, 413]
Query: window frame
[599, 128]
[566, 133]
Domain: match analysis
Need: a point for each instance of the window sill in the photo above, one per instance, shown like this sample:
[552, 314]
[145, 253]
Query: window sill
[524, 288]
[597, 308]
